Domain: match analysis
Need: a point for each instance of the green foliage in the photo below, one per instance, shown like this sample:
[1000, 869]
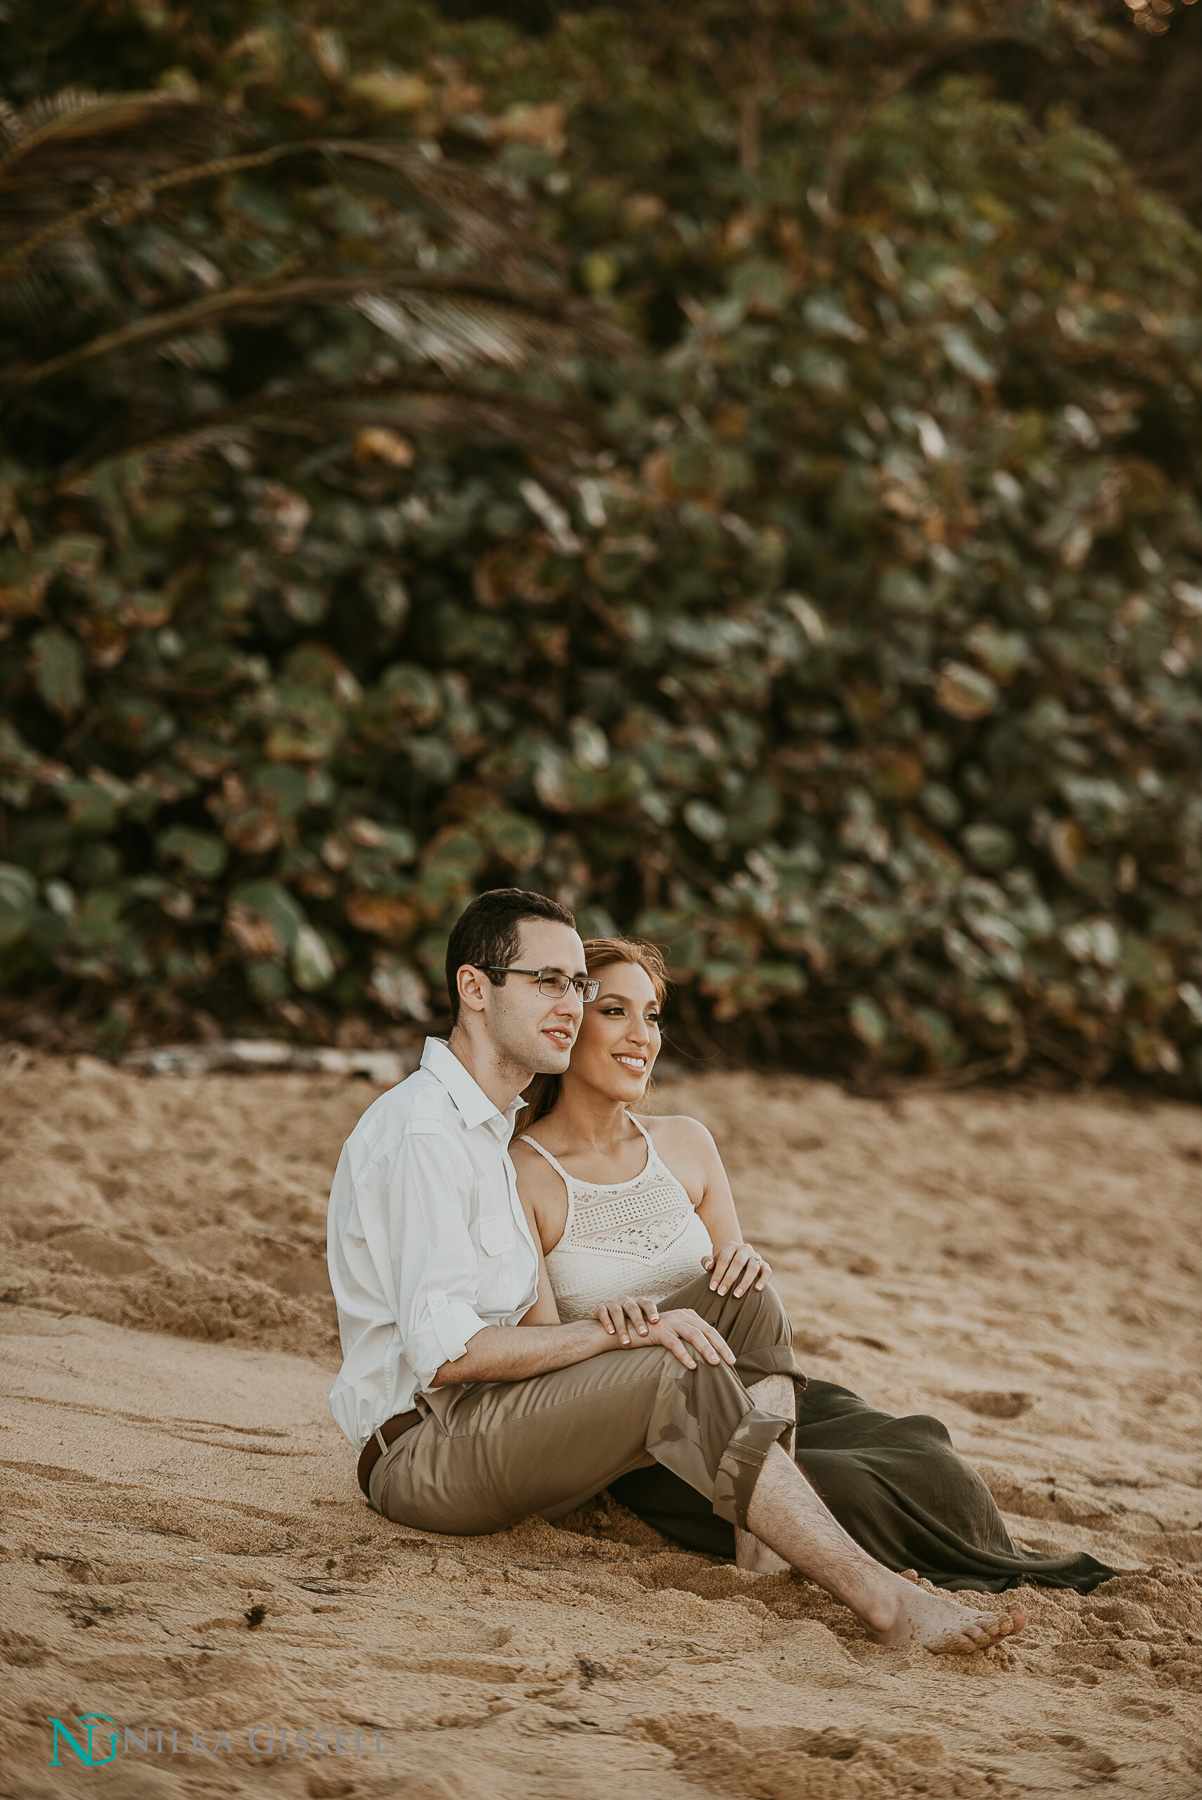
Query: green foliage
[847, 641]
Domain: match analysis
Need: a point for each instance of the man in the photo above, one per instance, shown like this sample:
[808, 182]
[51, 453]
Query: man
[464, 1419]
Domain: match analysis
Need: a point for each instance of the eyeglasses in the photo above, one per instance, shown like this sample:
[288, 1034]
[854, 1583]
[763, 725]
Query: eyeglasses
[552, 983]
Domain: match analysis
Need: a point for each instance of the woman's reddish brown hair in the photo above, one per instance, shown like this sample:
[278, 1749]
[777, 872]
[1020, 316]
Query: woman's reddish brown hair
[599, 953]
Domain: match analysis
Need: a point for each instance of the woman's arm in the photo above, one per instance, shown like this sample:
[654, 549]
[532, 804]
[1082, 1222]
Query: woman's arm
[528, 1166]
[544, 1311]
[691, 1154]
[716, 1207]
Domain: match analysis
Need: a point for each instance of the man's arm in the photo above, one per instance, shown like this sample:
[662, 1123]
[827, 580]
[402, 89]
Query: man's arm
[512, 1352]
[444, 1339]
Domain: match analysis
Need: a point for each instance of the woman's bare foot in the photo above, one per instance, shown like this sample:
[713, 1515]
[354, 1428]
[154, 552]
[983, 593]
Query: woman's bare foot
[940, 1624]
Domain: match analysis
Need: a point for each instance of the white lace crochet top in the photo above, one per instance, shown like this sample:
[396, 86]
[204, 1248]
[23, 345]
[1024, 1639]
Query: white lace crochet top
[626, 1237]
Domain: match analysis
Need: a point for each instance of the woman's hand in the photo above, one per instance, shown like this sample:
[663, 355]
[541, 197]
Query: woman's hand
[737, 1263]
[682, 1331]
[621, 1317]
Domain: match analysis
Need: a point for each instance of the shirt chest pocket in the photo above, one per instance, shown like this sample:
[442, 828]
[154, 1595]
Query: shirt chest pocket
[496, 1263]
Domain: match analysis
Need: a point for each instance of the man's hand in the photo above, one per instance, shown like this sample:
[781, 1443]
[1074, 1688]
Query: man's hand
[681, 1331]
[737, 1262]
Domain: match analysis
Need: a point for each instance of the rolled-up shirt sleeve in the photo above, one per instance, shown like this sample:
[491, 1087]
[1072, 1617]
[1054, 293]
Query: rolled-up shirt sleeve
[435, 1272]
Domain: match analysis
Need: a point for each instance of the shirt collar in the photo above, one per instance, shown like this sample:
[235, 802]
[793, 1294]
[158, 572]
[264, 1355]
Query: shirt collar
[475, 1107]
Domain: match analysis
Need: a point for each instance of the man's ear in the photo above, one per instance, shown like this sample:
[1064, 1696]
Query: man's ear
[471, 984]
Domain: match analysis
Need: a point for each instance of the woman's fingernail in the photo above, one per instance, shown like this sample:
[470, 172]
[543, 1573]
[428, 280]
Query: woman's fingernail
[642, 1331]
[721, 1290]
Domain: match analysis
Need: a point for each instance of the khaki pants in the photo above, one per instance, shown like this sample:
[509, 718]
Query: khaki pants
[490, 1453]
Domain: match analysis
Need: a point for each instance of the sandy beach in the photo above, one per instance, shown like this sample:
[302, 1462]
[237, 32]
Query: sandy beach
[186, 1552]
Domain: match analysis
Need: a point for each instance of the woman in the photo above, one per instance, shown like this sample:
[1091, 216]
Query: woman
[627, 1204]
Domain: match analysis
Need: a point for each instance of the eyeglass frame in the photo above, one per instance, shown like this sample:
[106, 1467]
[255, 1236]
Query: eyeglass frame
[586, 986]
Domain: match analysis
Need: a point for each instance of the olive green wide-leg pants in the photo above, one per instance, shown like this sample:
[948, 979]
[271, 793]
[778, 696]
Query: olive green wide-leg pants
[897, 1486]
[490, 1453]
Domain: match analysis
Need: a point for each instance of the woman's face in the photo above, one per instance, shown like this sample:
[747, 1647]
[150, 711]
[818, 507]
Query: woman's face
[619, 1037]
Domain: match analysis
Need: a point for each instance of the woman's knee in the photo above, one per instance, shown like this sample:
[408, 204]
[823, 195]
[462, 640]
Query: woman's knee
[757, 1317]
[696, 1293]
[765, 1308]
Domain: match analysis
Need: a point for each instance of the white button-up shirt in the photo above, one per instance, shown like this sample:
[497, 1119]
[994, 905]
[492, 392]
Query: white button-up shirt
[427, 1242]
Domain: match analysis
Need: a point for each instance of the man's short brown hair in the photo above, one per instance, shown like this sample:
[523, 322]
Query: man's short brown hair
[487, 934]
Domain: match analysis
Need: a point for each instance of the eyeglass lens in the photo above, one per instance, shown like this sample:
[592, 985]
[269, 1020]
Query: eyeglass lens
[556, 986]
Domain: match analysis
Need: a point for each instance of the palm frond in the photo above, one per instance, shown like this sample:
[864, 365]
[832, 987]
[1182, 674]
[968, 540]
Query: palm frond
[70, 269]
[457, 322]
[78, 141]
[141, 194]
[459, 415]
[318, 412]
[456, 200]
[458, 332]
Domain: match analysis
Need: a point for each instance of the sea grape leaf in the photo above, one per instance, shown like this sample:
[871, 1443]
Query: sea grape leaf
[58, 668]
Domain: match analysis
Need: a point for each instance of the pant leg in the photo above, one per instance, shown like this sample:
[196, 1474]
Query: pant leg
[895, 1485]
[758, 1331]
[490, 1453]
[756, 1327]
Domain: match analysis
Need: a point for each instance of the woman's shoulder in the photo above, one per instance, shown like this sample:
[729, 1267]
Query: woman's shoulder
[521, 1145]
[668, 1130]
[527, 1161]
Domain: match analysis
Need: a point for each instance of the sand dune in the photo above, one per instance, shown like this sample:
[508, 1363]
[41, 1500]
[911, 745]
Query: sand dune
[185, 1550]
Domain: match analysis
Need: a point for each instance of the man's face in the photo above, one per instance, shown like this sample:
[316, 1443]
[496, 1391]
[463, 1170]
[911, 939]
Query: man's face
[537, 1031]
